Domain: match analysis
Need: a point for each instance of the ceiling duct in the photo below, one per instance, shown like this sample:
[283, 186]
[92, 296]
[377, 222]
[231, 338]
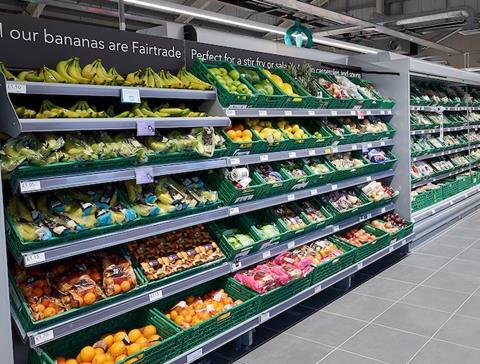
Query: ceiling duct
[433, 17]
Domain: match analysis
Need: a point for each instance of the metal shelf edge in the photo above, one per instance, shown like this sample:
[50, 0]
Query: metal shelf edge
[446, 175]
[257, 112]
[446, 152]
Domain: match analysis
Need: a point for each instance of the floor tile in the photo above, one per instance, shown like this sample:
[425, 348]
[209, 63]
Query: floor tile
[434, 298]
[414, 319]
[286, 349]
[471, 307]
[458, 282]
[463, 267]
[384, 288]
[289, 318]
[459, 231]
[407, 273]
[425, 261]
[357, 306]
[326, 328]
[343, 357]
[385, 344]
[472, 254]
[440, 352]
[461, 330]
[323, 298]
[451, 239]
[440, 250]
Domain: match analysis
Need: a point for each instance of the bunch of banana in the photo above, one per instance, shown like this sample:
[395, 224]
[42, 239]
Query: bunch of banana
[86, 111]
[96, 73]
[31, 76]
[25, 221]
[191, 81]
[117, 78]
[25, 113]
[133, 79]
[50, 110]
[8, 75]
[71, 71]
[52, 76]
[77, 148]
[170, 81]
[108, 146]
[197, 189]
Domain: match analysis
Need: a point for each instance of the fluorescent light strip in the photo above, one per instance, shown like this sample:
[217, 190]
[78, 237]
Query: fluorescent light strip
[246, 24]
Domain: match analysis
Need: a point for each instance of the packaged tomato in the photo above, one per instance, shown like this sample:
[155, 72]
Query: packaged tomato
[118, 274]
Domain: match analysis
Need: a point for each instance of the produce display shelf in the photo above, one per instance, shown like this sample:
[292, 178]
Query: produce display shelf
[445, 152]
[445, 175]
[143, 298]
[421, 215]
[44, 88]
[267, 113]
[47, 254]
[246, 326]
[35, 184]
[445, 129]
[430, 221]
[443, 108]
[69, 124]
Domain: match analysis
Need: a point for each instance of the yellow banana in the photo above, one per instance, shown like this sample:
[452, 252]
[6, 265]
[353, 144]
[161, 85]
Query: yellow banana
[63, 71]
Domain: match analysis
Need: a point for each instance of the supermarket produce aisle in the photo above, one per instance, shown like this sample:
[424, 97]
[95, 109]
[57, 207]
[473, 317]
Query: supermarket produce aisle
[419, 309]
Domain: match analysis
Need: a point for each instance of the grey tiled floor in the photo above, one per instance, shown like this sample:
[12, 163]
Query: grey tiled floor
[419, 309]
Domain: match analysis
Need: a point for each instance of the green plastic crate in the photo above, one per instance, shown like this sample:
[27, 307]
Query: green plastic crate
[333, 266]
[346, 103]
[168, 348]
[28, 323]
[263, 217]
[377, 167]
[342, 215]
[423, 200]
[277, 100]
[219, 323]
[202, 70]
[364, 251]
[235, 148]
[317, 178]
[300, 208]
[304, 100]
[326, 138]
[294, 183]
[270, 188]
[342, 174]
[290, 234]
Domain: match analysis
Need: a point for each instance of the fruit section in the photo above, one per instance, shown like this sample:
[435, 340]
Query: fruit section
[219, 223]
[444, 143]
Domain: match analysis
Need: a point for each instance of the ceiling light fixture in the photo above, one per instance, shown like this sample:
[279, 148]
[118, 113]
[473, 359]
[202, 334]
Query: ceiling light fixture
[245, 24]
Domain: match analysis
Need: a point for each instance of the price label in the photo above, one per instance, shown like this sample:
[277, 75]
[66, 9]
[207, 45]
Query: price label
[236, 266]
[334, 112]
[313, 192]
[264, 158]
[335, 228]
[262, 112]
[391, 249]
[288, 113]
[130, 96]
[389, 112]
[34, 258]
[451, 203]
[291, 197]
[334, 187]
[360, 265]
[230, 112]
[194, 355]
[234, 161]
[423, 132]
[264, 317]
[353, 113]
[368, 112]
[291, 245]
[43, 337]
[433, 211]
[369, 145]
[382, 144]
[382, 112]
[292, 155]
[312, 152]
[311, 112]
[16, 88]
[369, 216]
[368, 179]
[383, 210]
[328, 151]
[233, 211]
[361, 115]
[354, 147]
[318, 288]
[267, 254]
[143, 175]
[30, 186]
[155, 296]
[145, 127]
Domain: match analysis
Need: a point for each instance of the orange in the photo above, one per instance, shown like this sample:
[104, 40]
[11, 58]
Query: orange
[87, 353]
[120, 358]
[247, 133]
[100, 359]
[49, 312]
[125, 286]
[117, 349]
[154, 338]
[149, 331]
[142, 342]
[178, 320]
[108, 340]
[71, 361]
[132, 361]
[89, 298]
[39, 308]
[231, 133]
[117, 289]
[133, 348]
[119, 336]
[110, 357]
[134, 335]
[99, 351]
[239, 133]
[60, 360]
